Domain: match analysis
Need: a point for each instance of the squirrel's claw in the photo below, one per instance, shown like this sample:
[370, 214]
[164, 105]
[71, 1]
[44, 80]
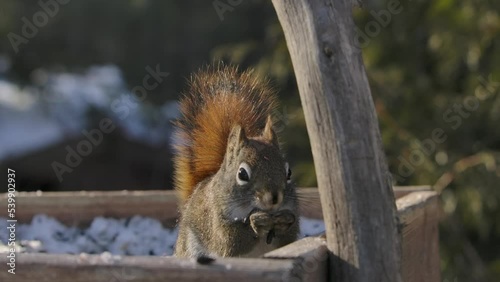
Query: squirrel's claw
[261, 222]
[283, 220]
[265, 224]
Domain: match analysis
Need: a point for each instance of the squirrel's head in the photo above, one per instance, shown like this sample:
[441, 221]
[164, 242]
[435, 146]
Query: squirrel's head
[258, 173]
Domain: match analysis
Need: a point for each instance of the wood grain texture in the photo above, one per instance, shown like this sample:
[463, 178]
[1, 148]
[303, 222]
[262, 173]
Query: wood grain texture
[353, 179]
[80, 208]
[98, 268]
[311, 258]
[419, 215]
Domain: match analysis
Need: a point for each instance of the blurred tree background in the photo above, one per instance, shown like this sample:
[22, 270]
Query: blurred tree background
[433, 66]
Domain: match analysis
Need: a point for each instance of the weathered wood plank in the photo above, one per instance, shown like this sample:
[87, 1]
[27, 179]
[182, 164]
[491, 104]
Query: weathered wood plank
[419, 214]
[80, 208]
[353, 179]
[311, 258]
[99, 268]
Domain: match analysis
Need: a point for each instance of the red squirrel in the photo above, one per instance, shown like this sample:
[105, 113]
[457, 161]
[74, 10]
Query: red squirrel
[236, 197]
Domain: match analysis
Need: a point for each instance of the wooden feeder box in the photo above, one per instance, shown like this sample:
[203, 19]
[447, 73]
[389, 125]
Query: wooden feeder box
[303, 260]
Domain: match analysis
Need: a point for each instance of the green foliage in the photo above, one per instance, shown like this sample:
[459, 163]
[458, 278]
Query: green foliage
[437, 66]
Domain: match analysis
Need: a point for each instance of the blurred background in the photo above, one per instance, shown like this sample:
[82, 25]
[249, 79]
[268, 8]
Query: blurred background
[88, 91]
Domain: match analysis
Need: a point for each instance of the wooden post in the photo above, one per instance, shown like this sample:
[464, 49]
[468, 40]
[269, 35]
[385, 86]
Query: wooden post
[353, 179]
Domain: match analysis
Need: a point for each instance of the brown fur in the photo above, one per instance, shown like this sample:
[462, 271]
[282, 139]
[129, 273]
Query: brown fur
[218, 99]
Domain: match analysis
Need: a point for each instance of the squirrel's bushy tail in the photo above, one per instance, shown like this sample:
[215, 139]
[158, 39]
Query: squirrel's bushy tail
[218, 98]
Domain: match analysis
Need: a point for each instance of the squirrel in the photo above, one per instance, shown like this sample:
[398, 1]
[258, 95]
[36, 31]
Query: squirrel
[233, 183]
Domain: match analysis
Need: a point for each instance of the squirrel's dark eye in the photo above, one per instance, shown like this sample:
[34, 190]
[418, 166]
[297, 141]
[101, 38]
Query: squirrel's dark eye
[288, 172]
[244, 174]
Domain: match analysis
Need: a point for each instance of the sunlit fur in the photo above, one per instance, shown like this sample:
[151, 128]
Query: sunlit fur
[226, 121]
[218, 98]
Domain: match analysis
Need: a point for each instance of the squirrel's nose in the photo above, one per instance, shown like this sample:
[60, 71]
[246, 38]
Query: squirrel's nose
[271, 200]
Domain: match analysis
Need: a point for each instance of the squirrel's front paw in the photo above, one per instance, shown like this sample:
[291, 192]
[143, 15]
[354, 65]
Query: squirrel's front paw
[279, 222]
[261, 222]
[283, 220]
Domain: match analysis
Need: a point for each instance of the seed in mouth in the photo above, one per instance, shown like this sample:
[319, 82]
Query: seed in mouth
[270, 236]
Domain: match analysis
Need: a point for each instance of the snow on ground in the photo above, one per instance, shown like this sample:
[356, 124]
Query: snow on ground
[133, 236]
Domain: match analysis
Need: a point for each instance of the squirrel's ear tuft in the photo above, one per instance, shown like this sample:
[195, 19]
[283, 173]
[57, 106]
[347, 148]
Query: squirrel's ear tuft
[237, 137]
[236, 140]
[268, 134]
[239, 134]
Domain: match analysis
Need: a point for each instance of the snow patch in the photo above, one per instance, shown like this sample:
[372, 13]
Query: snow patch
[59, 106]
[136, 236]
